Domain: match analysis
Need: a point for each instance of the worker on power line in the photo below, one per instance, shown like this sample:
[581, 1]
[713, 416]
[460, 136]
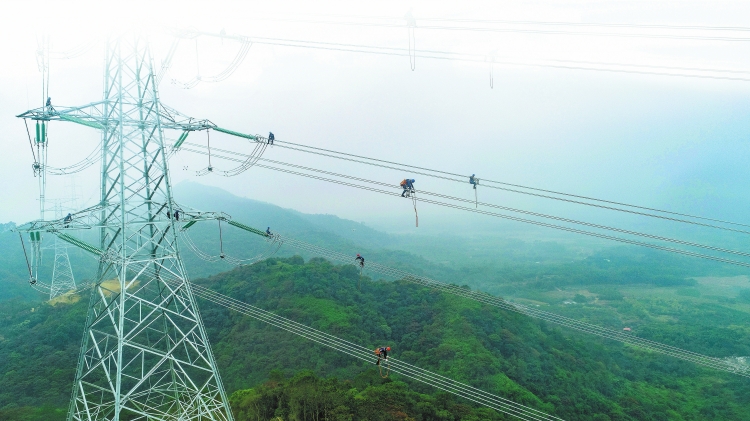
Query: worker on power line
[268, 231]
[474, 181]
[361, 260]
[270, 138]
[408, 186]
[382, 353]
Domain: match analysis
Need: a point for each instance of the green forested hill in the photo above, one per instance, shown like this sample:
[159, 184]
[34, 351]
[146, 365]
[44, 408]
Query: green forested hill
[575, 377]
[662, 297]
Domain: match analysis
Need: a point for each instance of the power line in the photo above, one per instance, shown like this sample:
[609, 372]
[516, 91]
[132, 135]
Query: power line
[482, 58]
[223, 75]
[529, 31]
[705, 73]
[343, 156]
[593, 24]
[465, 391]
[535, 214]
[509, 217]
[531, 22]
[75, 51]
[484, 180]
[712, 362]
[442, 175]
[274, 243]
[721, 364]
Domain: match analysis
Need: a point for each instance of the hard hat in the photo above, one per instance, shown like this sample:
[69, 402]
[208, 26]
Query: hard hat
[473, 175]
[388, 349]
[357, 254]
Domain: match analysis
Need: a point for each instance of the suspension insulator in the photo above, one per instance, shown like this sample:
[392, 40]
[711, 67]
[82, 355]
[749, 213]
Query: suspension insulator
[181, 139]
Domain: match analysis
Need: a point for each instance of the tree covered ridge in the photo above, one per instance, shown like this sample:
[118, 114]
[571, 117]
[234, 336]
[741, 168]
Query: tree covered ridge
[573, 376]
[558, 371]
[368, 397]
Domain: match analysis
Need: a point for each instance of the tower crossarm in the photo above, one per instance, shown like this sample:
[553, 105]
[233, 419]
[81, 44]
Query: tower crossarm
[52, 226]
[173, 119]
[91, 115]
[84, 219]
[90, 218]
[87, 218]
[99, 115]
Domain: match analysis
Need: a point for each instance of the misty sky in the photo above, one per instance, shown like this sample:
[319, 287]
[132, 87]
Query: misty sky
[673, 142]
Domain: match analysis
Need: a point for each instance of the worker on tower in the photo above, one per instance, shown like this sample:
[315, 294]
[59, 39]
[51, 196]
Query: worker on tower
[382, 353]
[361, 260]
[270, 138]
[408, 186]
[49, 101]
[473, 181]
[67, 220]
[176, 215]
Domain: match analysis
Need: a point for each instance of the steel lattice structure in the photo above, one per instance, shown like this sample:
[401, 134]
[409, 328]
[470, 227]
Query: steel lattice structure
[145, 354]
[63, 280]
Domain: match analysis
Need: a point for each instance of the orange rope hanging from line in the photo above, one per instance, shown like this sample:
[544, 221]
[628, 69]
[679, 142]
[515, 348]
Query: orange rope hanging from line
[387, 369]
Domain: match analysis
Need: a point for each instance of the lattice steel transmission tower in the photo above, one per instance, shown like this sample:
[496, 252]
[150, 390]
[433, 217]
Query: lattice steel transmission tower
[145, 354]
[63, 280]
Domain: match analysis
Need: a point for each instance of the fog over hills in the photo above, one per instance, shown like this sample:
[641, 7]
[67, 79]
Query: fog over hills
[464, 254]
